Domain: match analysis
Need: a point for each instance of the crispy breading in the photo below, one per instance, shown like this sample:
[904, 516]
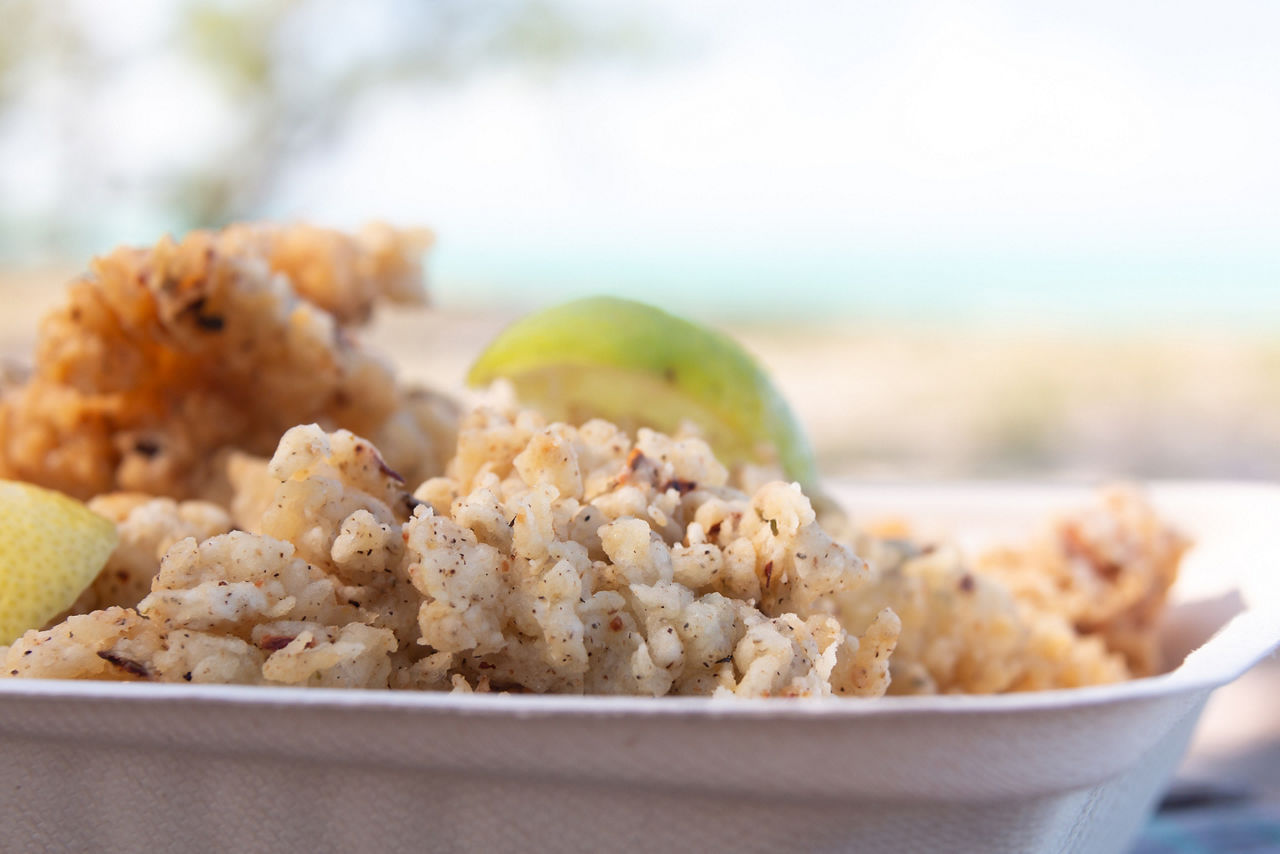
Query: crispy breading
[571, 559]
[115, 644]
[161, 359]
[505, 554]
[551, 558]
[1075, 606]
[345, 274]
[568, 560]
[1106, 569]
[323, 608]
[147, 528]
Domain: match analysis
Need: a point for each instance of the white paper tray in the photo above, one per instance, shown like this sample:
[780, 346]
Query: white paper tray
[115, 767]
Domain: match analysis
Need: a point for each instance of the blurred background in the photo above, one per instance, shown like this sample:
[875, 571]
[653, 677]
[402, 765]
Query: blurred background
[1009, 240]
[988, 240]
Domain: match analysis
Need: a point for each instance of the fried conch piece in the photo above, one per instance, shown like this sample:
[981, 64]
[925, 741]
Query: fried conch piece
[317, 597]
[147, 528]
[1106, 570]
[575, 559]
[549, 559]
[346, 275]
[162, 360]
[1075, 606]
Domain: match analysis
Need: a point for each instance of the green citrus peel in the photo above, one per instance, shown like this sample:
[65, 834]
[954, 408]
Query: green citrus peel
[638, 366]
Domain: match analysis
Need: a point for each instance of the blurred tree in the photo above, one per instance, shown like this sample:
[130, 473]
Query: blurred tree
[294, 71]
[40, 48]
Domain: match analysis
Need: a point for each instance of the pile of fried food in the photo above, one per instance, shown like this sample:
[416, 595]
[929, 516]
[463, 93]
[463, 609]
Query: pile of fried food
[291, 513]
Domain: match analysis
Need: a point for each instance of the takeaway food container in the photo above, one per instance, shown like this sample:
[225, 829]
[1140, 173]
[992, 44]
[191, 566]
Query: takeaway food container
[115, 767]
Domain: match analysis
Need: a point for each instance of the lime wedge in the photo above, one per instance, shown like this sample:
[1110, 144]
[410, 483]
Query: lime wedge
[51, 549]
[638, 366]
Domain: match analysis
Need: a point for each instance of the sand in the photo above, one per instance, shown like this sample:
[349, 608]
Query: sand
[922, 400]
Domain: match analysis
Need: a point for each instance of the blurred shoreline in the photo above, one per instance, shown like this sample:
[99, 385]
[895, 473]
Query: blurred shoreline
[925, 399]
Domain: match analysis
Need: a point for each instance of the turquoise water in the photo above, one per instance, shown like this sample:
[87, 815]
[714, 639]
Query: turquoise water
[1051, 288]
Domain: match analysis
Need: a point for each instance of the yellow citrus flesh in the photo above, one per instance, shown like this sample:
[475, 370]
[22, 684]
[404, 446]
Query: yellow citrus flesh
[51, 548]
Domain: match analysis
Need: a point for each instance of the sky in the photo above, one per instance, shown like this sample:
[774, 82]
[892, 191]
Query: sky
[994, 156]
[897, 157]
[987, 124]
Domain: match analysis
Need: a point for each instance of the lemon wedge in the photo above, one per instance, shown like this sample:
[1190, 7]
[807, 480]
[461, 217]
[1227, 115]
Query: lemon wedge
[638, 366]
[51, 548]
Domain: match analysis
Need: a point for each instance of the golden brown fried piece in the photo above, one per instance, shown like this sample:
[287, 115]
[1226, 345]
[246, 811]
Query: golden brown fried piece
[346, 275]
[1106, 570]
[148, 527]
[163, 359]
[1075, 606]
